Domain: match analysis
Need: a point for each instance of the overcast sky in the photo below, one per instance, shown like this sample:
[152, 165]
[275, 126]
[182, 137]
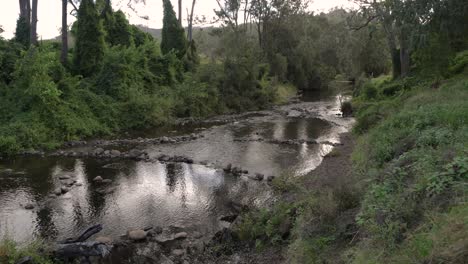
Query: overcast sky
[49, 13]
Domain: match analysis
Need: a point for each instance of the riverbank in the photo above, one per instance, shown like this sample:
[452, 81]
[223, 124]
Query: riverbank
[276, 235]
[395, 192]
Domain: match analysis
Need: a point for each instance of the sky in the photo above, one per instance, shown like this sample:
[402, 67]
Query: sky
[49, 13]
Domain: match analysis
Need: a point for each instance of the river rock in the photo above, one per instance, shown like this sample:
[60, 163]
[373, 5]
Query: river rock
[197, 235]
[98, 151]
[228, 218]
[228, 168]
[158, 230]
[106, 181]
[8, 171]
[257, 176]
[68, 182]
[181, 235]
[64, 189]
[79, 184]
[29, 206]
[98, 179]
[136, 235]
[270, 178]
[58, 191]
[115, 153]
[64, 177]
[104, 240]
[178, 252]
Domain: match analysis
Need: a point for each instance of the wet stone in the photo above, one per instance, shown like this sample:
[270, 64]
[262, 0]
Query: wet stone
[137, 235]
[98, 179]
[181, 235]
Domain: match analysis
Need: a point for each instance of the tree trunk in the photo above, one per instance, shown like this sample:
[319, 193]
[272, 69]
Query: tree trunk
[404, 54]
[405, 61]
[34, 23]
[396, 64]
[190, 26]
[64, 54]
[180, 12]
[25, 10]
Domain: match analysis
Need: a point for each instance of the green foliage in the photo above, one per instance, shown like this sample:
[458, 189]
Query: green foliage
[459, 63]
[9, 54]
[117, 28]
[89, 47]
[22, 33]
[196, 99]
[140, 37]
[173, 34]
[11, 252]
[267, 227]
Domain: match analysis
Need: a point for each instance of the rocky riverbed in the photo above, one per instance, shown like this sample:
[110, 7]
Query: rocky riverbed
[172, 193]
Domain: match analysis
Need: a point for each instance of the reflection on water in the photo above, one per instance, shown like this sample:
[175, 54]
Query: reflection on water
[154, 194]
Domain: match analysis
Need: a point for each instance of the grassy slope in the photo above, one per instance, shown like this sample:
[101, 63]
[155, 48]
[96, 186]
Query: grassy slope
[412, 153]
[405, 201]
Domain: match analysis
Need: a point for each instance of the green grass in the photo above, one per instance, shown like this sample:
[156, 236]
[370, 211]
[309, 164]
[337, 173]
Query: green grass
[412, 154]
[11, 252]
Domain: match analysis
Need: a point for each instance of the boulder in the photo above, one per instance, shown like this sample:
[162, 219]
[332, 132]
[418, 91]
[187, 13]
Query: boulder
[98, 179]
[29, 206]
[64, 189]
[197, 235]
[58, 191]
[98, 151]
[178, 252]
[137, 235]
[270, 178]
[257, 177]
[181, 235]
[115, 153]
[104, 240]
[228, 218]
[228, 168]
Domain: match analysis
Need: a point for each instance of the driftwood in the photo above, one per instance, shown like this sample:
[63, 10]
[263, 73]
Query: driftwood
[85, 235]
[73, 248]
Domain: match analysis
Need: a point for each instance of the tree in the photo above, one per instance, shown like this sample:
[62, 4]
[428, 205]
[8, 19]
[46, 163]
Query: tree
[64, 53]
[180, 12]
[190, 22]
[33, 32]
[173, 34]
[117, 27]
[89, 49]
[23, 26]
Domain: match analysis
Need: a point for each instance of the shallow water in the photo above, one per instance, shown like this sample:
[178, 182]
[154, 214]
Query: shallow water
[144, 194]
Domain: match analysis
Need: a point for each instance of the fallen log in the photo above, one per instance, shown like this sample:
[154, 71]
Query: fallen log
[85, 235]
[82, 249]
